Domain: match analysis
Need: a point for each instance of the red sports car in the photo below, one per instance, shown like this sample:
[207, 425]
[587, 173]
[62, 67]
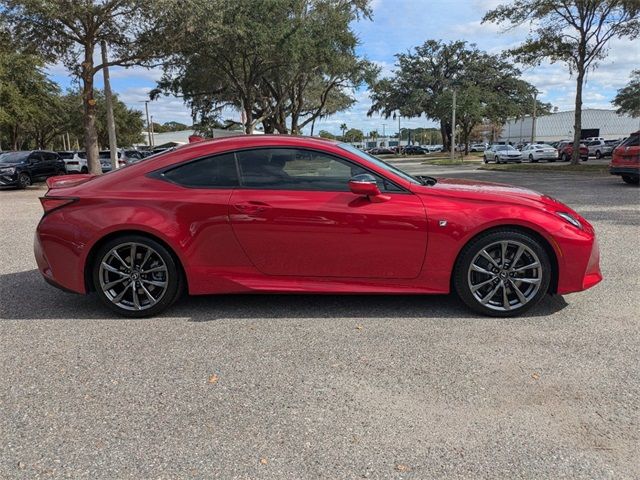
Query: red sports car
[304, 215]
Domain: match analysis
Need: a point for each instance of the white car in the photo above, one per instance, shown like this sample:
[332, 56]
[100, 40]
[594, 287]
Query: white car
[601, 148]
[536, 152]
[477, 147]
[502, 153]
[75, 162]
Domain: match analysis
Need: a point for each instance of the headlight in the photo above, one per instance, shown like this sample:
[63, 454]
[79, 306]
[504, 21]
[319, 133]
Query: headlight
[8, 171]
[571, 219]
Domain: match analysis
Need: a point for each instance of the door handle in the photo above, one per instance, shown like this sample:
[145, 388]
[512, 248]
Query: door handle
[252, 207]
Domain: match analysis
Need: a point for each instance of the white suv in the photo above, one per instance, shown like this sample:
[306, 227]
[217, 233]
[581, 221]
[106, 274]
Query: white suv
[74, 162]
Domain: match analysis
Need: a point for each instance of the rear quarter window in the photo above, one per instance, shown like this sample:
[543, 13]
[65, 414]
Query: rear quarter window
[212, 172]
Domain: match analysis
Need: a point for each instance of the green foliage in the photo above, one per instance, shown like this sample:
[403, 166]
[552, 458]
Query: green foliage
[282, 63]
[575, 32]
[628, 98]
[353, 135]
[325, 134]
[70, 31]
[487, 87]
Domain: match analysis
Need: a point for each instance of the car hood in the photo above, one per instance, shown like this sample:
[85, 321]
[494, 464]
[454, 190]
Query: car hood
[492, 192]
[8, 165]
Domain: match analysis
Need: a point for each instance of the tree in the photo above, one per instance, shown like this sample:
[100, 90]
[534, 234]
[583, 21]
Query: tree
[487, 88]
[70, 30]
[575, 32]
[354, 135]
[628, 98]
[325, 134]
[277, 62]
[343, 129]
[129, 122]
[29, 102]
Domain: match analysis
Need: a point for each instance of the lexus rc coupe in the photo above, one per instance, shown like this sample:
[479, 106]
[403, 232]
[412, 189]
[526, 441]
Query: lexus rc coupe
[268, 213]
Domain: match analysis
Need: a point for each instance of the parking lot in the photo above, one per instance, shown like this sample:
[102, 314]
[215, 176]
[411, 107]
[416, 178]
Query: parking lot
[326, 386]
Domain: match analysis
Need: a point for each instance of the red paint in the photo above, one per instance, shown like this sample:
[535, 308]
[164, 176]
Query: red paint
[251, 240]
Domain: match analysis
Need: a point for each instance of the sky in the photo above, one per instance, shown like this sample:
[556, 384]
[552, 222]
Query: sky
[399, 26]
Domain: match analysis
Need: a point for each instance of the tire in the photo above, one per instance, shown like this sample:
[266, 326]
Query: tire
[531, 160]
[24, 180]
[163, 283]
[631, 179]
[565, 157]
[84, 170]
[598, 154]
[484, 159]
[488, 296]
[584, 159]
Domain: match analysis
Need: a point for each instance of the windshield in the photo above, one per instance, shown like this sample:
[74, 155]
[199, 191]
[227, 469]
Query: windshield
[66, 155]
[379, 163]
[13, 157]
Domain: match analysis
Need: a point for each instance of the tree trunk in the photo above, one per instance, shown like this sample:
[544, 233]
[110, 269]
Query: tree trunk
[577, 127]
[89, 118]
[444, 131]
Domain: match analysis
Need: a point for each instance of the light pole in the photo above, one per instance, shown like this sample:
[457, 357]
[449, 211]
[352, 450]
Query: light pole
[453, 127]
[533, 119]
[149, 135]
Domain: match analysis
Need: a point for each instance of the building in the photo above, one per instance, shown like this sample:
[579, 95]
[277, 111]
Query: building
[559, 126]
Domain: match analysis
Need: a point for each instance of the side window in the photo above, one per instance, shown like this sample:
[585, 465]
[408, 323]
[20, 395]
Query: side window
[35, 157]
[297, 169]
[217, 171]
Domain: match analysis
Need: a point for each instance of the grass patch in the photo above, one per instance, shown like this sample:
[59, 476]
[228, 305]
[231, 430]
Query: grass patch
[547, 167]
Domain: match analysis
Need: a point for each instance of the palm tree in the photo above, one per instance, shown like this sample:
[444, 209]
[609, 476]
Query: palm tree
[344, 128]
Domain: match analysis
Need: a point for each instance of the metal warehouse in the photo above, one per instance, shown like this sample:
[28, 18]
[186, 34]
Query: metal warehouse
[559, 126]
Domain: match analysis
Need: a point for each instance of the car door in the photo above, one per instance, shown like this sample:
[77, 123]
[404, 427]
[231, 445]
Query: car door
[37, 165]
[491, 153]
[294, 215]
[50, 163]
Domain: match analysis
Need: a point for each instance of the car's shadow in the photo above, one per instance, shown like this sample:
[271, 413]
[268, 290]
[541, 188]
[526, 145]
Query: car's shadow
[25, 296]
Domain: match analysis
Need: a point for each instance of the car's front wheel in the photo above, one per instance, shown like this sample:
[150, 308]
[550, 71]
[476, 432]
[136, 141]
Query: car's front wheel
[503, 273]
[598, 154]
[136, 276]
[24, 180]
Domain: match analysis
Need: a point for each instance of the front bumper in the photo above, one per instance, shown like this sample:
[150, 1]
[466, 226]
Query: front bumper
[8, 180]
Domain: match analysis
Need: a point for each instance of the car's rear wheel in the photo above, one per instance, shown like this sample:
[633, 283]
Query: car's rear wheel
[136, 276]
[24, 180]
[484, 158]
[503, 273]
[84, 170]
[631, 179]
[565, 157]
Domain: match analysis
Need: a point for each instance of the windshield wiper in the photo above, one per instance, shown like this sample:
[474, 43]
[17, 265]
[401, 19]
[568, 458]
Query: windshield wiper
[425, 179]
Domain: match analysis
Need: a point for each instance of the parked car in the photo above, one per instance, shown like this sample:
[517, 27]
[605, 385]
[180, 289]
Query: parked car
[565, 151]
[435, 148]
[592, 139]
[413, 150]
[22, 168]
[599, 148]
[128, 157]
[381, 151]
[535, 152]
[312, 216]
[75, 162]
[502, 153]
[477, 147]
[626, 160]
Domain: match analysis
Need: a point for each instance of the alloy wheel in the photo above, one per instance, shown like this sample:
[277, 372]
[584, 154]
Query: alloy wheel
[505, 275]
[133, 276]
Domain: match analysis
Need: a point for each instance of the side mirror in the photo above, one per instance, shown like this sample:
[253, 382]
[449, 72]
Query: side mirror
[365, 184]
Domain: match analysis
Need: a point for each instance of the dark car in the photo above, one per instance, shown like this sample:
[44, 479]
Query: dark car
[21, 169]
[381, 151]
[413, 150]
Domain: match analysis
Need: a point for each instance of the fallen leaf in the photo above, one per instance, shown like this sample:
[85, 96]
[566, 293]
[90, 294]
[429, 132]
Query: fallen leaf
[359, 327]
[402, 467]
[535, 375]
[213, 379]
[263, 461]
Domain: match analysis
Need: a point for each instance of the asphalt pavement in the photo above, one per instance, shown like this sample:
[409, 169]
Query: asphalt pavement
[335, 387]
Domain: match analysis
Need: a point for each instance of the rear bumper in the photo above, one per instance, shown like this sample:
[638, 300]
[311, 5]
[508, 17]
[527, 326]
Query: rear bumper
[624, 170]
[57, 264]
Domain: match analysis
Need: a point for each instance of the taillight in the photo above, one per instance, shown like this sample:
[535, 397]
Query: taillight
[51, 203]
